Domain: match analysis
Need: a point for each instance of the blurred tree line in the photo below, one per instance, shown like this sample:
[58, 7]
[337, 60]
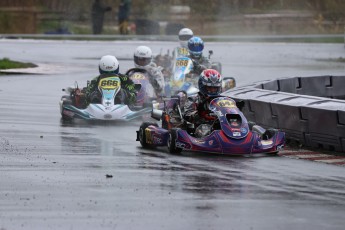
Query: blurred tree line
[201, 10]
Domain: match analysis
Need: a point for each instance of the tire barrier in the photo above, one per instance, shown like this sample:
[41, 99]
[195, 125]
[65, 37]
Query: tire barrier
[307, 109]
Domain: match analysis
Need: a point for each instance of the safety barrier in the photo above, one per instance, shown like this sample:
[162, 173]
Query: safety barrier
[307, 109]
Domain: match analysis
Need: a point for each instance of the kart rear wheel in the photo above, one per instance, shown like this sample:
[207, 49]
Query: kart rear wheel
[66, 100]
[66, 118]
[142, 134]
[172, 142]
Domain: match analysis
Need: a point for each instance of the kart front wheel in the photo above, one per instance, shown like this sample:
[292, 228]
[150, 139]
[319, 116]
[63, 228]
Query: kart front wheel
[172, 142]
[269, 133]
[142, 134]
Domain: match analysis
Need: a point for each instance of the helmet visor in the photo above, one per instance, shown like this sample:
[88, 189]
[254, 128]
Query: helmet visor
[185, 37]
[142, 61]
[196, 47]
[212, 90]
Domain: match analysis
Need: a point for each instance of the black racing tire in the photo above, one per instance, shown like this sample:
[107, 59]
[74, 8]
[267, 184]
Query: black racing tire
[67, 100]
[66, 97]
[142, 134]
[269, 133]
[172, 142]
[66, 118]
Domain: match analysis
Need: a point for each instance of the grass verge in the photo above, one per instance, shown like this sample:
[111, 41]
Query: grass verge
[6, 63]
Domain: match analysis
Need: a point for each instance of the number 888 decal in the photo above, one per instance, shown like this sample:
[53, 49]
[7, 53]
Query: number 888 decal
[181, 62]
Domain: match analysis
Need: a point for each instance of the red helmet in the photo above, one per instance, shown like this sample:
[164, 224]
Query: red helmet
[210, 82]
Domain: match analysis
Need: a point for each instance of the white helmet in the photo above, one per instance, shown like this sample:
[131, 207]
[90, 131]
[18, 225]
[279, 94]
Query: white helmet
[142, 56]
[108, 64]
[184, 35]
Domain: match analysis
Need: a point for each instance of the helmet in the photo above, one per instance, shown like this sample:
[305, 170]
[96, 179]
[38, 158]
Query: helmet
[184, 35]
[195, 47]
[142, 56]
[210, 82]
[108, 64]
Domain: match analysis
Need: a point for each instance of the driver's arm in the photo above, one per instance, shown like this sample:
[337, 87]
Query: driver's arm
[128, 86]
[191, 110]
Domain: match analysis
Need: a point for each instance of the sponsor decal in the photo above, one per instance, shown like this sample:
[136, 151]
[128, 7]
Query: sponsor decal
[149, 138]
[107, 116]
[219, 113]
[180, 145]
[236, 134]
[198, 141]
[266, 142]
[157, 140]
[243, 130]
[226, 104]
[137, 76]
[210, 142]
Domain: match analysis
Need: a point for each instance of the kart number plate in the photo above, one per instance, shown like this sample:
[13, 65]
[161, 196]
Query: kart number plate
[237, 134]
[226, 104]
[181, 63]
[137, 76]
[109, 83]
[182, 52]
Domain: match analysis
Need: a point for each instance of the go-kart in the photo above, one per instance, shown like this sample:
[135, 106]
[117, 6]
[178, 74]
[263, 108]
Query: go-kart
[107, 102]
[167, 61]
[182, 78]
[229, 134]
[146, 94]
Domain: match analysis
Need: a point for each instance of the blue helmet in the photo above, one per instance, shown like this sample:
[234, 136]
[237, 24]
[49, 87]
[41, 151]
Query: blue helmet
[195, 46]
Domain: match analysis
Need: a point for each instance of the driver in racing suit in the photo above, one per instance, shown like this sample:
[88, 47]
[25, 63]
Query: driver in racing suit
[143, 60]
[183, 36]
[200, 62]
[167, 61]
[109, 66]
[196, 110]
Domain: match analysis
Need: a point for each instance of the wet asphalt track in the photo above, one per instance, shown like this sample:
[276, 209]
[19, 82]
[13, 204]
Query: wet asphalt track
[54, 174]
